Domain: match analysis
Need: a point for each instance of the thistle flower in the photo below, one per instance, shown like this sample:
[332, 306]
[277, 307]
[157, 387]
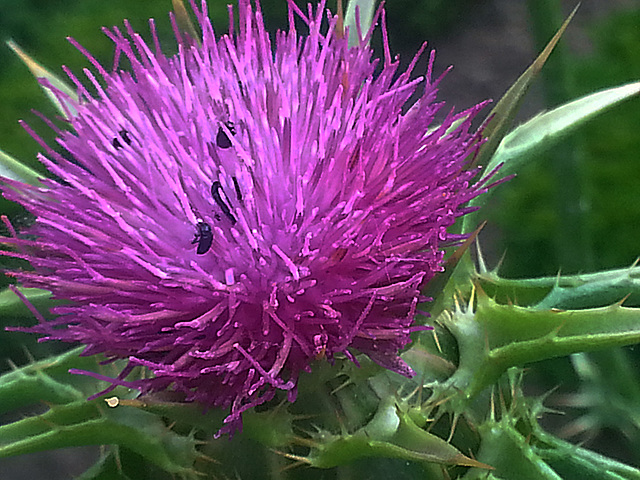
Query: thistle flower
[228, 215]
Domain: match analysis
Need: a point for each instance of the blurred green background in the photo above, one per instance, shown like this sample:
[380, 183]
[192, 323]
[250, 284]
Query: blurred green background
[576, 209]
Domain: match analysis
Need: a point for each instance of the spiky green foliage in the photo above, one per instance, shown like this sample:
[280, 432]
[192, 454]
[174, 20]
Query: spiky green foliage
[72, 420]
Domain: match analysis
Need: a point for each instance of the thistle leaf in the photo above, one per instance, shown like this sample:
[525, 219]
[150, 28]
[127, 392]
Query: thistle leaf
[495, 337]
[40, 72]
[73, 421]
[608, 396]
[390, 434]
[544, 129]
[576, 462]
[12, 306]
[366, 9]
[540, 456]
[500, 118]
[570, 292]
[513, 442]
[48, 381]
[523, 143]
[184, 21]
[16, 170]
[511, 455]
[90, 423]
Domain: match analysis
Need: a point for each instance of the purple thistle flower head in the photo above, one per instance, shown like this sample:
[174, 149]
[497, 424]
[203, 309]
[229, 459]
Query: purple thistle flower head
[228, 215]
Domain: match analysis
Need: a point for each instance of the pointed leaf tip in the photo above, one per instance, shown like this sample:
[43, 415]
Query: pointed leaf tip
[184, 20]
[543, 130]
[16, 170]
[500, 118]
[366, 10]
[39, 71]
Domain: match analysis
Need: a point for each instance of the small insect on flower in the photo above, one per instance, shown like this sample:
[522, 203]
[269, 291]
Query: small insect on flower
[236, 187]
[216, 193]
[124, 134]
[222, 139]
[203, 237]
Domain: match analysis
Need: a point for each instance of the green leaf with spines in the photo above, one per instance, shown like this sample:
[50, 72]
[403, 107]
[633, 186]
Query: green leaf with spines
[573, 462]
[32, 389]
[509, 452]
[11, 304]
[93, 423]
[493, 337]
[546, 128]
[608, 396]
[517, 447]
[391, 433]
[571, 292]
[71, 420]
[49, 381]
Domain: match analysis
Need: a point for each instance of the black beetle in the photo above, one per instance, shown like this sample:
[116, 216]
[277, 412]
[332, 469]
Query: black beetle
[203, 237]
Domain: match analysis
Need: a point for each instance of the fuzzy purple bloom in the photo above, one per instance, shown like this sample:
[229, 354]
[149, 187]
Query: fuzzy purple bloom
[228, 215]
